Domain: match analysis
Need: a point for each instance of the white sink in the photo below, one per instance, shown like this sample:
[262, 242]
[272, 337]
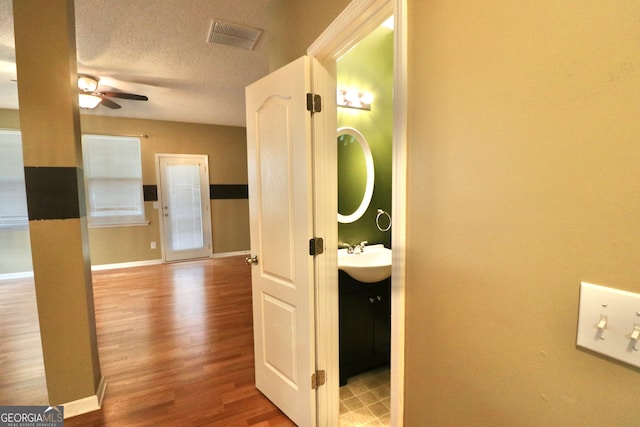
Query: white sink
[372, 265]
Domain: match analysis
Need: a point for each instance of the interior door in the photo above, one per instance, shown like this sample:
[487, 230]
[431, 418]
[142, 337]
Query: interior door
[185, 206]
[281, 224]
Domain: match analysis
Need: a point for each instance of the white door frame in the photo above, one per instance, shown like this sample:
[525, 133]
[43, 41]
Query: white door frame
[352, 25]
[207, 225]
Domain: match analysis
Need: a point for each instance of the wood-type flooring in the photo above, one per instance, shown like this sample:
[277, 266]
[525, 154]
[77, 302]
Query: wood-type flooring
[175, 344]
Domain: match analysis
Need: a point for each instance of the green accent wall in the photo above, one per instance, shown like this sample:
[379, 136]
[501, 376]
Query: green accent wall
[368, 67]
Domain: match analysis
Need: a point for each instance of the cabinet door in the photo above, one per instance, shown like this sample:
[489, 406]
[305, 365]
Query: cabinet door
[356, 326]
[382, 323]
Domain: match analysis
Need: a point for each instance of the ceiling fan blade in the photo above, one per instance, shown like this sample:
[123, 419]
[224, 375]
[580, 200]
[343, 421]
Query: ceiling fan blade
[109, 103]
[124, 95]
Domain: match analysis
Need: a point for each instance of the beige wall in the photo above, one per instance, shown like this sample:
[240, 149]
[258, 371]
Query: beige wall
[524, 172]
[15, 251]
[295, 24]
[226, 148]
[15, 247]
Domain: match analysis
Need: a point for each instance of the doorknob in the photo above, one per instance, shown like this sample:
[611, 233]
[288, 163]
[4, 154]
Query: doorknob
[252, 259]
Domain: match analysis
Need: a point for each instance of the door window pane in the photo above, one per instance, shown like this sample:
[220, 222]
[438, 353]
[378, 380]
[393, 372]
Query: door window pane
[186, 211]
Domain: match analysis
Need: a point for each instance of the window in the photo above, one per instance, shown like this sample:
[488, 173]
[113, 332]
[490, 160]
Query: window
[113, 180]
[13, 194]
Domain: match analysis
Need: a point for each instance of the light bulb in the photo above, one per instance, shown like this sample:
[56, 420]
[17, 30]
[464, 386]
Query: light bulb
[367, 98]
[87, 83]
[351, 96]
[88, 101]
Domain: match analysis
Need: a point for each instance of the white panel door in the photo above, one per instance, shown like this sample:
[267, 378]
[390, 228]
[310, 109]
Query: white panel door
[185, 205]
[280, 204]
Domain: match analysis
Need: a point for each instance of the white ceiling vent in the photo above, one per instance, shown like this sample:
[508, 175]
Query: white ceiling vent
[233, 34]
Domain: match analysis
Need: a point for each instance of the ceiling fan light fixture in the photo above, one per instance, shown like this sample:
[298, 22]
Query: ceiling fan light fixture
[87, 83]
[88, 101]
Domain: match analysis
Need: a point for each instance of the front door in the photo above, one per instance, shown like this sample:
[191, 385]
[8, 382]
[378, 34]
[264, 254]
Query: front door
[281, 224]
[185, 206]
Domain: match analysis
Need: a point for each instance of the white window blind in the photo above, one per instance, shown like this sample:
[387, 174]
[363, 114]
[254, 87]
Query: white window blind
[13, 195]
[113, 180]
[183, 182]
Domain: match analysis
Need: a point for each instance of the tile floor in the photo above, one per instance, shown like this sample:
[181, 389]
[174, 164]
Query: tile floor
[364, 401]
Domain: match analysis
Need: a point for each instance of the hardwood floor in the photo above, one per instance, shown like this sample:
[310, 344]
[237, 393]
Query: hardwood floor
[176, 347]
[22, 380]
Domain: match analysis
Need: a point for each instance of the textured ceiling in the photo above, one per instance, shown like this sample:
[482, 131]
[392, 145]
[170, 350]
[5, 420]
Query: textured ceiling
[158, 48]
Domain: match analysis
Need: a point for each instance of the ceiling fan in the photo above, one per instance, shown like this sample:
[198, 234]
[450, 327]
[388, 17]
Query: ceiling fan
[90, 97]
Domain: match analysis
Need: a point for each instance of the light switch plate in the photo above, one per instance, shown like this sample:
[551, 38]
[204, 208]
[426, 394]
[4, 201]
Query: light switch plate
[619, 311]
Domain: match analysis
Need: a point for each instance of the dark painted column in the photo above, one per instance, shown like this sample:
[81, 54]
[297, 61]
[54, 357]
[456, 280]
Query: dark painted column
[51, 139]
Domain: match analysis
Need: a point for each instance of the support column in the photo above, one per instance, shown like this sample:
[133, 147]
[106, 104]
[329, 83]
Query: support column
[51, 140]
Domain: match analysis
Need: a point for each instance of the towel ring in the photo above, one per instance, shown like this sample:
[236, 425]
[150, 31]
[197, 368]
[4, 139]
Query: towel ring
[380, 213]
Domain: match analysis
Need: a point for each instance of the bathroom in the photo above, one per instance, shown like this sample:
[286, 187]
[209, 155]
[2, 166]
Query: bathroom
[368, 70]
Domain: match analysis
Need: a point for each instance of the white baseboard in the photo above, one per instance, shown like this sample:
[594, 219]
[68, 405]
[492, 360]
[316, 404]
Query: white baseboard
[29, 274]
[126, 265]
[87, 404]
[228, 254]
[19, 275]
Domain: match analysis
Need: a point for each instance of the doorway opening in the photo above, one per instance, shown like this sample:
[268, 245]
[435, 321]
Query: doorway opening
[356, 22]
[366, 70]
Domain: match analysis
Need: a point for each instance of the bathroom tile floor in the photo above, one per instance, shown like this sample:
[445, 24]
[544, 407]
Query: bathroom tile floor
[365, 401]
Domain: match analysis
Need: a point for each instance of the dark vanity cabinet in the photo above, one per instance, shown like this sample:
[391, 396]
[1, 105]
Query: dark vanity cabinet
[365, 325]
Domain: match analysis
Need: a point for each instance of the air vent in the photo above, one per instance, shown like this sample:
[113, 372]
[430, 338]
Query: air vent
[233, 34]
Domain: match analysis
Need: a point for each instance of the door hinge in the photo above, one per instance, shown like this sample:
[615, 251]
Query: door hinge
[316, 246]
[314, 103]
[318, 378]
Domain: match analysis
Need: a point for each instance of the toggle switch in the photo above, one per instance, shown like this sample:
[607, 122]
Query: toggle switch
[602, 325]
[634, 337]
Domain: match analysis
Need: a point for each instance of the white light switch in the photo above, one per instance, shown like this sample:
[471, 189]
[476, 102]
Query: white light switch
[609, 322]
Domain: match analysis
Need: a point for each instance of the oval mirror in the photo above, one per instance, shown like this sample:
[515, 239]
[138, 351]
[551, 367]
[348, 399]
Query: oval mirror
[355, 175]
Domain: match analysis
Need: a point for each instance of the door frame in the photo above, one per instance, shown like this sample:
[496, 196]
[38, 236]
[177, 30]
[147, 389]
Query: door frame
[357, 21]
[208, 227]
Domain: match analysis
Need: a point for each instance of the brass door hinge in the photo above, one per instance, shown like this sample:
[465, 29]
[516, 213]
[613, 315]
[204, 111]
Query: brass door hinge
[318, 378]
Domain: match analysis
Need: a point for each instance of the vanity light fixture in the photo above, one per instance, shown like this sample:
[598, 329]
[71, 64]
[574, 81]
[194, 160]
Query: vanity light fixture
[351, 98]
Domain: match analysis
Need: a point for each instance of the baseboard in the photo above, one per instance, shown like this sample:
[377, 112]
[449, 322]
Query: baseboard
[87, 404]
[126, 265]
[19, 275]
[29, 274]
[228, 254]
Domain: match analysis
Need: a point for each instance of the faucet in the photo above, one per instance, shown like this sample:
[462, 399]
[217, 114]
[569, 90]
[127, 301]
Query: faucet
[355, 249]
[350, 248]
[359, 248]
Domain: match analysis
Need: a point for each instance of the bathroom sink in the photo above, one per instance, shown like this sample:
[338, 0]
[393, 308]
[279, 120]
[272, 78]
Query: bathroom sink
[369, 266]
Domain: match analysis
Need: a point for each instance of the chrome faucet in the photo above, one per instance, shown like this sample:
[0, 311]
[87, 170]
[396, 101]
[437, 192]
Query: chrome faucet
[349, 248]
[359, 248]
[355, 249]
